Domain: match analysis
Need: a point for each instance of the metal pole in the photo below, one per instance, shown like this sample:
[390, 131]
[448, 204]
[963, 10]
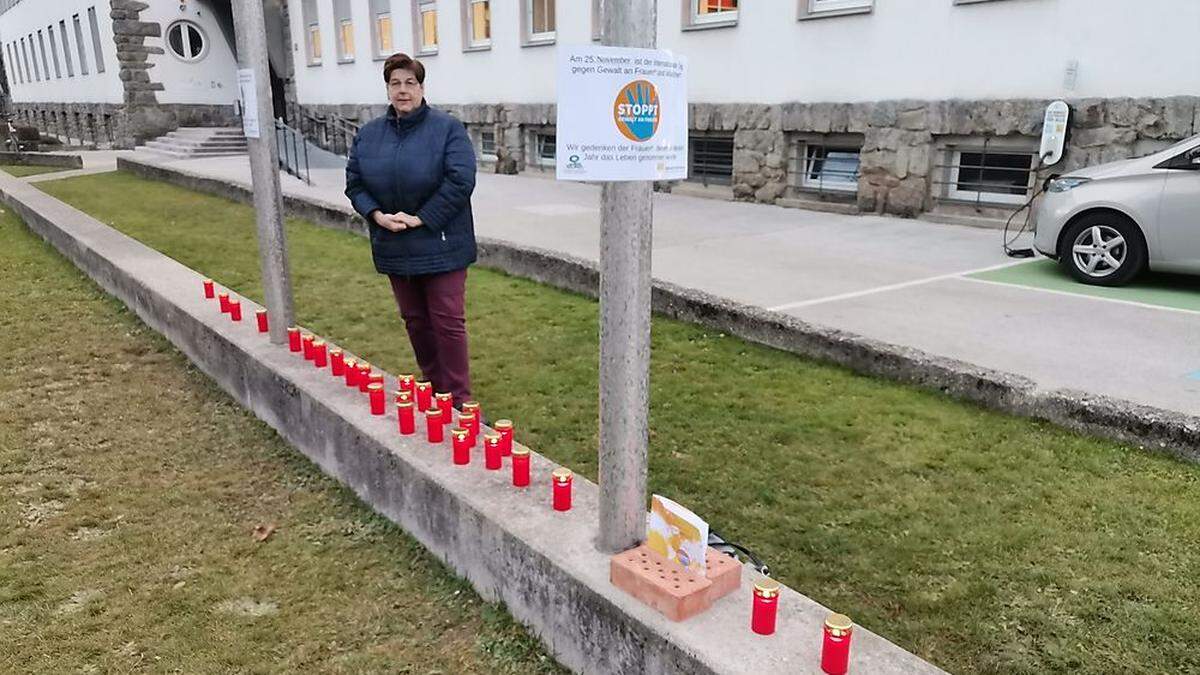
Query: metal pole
[625, 235]
[250, 27]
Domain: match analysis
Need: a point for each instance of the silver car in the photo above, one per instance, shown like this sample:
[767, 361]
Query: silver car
[1106, 224]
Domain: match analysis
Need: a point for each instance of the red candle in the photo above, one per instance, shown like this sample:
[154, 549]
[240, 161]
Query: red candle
[462, 445]
[445, 401]
[520, 466]
[306, 342]
[473, 407]
[363, 378]
[320, 354]
[224, 300]
[562, 489]
[835, 649]
[405, 383]
[491, 452]
[209, 293]
[424, 393]
[407, 421]
[261, 315]
[235, 310]
[505, 429]
[337, 362]
[467, 421]
[434, 430]
[294, 339]
[378, 403]
[766, 604]
[375, 378]
[351, 372]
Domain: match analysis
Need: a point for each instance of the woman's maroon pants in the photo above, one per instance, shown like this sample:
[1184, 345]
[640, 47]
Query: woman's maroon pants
[434, 312]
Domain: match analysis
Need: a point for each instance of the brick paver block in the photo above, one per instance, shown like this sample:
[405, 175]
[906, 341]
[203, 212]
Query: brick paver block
[669, 588]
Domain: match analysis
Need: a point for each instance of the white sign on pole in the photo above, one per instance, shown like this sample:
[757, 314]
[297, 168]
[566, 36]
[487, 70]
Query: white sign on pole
[622, 114]
[249, 91]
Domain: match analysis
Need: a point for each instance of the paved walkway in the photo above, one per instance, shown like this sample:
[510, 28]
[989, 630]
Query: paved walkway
[906, 282]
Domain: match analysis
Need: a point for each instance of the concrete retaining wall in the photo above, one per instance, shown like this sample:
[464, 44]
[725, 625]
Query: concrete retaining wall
[1149, 427]
[41, 159]
[508, 543]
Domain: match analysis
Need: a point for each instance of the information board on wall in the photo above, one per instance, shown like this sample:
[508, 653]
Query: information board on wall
[622, 114]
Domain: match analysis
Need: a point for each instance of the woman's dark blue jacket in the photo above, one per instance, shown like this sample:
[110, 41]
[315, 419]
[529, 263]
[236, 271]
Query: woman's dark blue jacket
[424, 165]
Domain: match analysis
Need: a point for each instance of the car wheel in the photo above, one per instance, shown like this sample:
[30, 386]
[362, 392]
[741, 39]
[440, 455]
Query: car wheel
[1103, 249]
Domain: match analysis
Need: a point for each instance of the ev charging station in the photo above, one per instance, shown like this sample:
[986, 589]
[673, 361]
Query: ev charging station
[1054, 132]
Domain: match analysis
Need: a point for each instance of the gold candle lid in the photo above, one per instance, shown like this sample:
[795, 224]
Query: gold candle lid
[335, 351]
[293, 328]
[403, 395]
[520, 450]
[465, 415]
[260, 311]
[222, 293]
[374, 386]
[460, 432]
[502, 425]
[404, 378]
[363, 365]
[433, 412]
[402, 404]
[491, 438]
[208, 281]
[470, 405]
[307, 337]
[318, 343]
[562, 474]
[839, 624]
[424, 384]
[767, 587]
[441, 395]
[350, 363]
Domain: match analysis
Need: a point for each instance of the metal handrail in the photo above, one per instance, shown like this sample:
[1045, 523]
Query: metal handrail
[293, 151]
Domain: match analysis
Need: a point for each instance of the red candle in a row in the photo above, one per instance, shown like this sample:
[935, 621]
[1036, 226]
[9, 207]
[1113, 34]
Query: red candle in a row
[233, 306]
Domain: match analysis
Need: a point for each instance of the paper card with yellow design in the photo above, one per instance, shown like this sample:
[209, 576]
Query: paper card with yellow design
[677, 534]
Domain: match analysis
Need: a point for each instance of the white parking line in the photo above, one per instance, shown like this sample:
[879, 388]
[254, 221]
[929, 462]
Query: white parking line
[1133, 303]
[891, 287]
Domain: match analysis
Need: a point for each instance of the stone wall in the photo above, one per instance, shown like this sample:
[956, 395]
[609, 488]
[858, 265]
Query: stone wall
[109, 124]
[903, 141]
[142, 118]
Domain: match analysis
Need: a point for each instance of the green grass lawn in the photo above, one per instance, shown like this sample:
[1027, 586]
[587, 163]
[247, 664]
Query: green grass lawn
[983, 542]
[129, 489]
[23, 170]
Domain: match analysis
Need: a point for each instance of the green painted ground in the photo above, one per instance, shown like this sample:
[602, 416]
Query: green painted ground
[984, 542]
[1163, 290]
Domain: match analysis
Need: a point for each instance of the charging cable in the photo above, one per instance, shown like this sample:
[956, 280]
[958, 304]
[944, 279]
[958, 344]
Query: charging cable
[1028, 208]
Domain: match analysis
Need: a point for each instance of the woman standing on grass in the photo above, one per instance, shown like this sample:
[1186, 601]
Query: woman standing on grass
[410, 175]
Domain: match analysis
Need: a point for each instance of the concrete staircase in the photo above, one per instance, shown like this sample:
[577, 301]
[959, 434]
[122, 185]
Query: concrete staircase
[191, 142]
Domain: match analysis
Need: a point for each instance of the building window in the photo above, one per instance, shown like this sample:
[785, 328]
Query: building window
[711, 158]
[312, 31]
[96, 39]
[711, 13]
[66, 48]
[382, 43]
[827, 168]
[478, 27]
[314, 45]
[37, 71]
[83, 69]
[597, 19]
[816, 9]
[54, 51]
[345, 41]
[547, 145]
[987, 175]
[16, 65]
[45, 61]
[487, 144]
[186, 41]
[539, 22]
[425, 25]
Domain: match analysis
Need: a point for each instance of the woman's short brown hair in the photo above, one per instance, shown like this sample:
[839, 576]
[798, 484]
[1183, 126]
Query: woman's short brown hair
[404, 62]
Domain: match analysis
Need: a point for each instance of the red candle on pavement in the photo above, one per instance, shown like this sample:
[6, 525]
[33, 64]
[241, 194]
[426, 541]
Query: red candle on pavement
[766, 605]
[434, 430]
[562, 488]
[209, 292]
[378, 403]
[835, 649]
[294, 339]
[445, 401]
[351, 372]
[424, 394]
[375, 378]
[520, 467]
[405, 383]
[223, 298]
[473, 407]
[505, 429]
[235, 310]
[407, 421]
[337, 362]
[467, 421]
[306, 343]
[363, 378]
[320, 354]
[261, 315]
[462, 445]
[491, 452]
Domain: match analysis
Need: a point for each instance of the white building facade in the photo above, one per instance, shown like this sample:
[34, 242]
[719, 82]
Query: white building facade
[894, 106]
